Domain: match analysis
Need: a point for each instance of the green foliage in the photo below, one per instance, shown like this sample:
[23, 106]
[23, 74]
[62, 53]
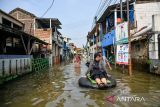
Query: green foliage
[149, 62]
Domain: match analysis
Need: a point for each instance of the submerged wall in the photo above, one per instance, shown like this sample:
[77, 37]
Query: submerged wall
[11, 66]
[155, 66]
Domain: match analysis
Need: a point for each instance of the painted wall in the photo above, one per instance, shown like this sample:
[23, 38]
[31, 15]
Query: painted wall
[14, 65]
[154, 46]
[144, 12]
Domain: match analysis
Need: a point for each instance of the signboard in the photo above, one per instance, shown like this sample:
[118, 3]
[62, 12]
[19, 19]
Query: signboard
[122, 54]
[122, 33]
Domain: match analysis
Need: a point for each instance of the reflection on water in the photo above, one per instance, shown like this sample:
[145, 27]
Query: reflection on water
[58, 87]
[77, 71]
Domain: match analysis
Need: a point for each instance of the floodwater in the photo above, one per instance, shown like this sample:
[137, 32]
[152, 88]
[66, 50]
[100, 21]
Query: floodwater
[58, 87]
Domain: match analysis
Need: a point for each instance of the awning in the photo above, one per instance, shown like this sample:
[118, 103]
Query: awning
[140, 35]
[108, 39]
[17, 33]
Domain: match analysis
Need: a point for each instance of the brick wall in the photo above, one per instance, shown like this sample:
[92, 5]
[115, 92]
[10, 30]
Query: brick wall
[45, 35]
[27, 19]
[14, 15]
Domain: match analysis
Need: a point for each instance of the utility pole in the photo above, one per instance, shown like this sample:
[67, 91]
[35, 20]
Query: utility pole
[121, 8]
[129, 41]
[115, 25]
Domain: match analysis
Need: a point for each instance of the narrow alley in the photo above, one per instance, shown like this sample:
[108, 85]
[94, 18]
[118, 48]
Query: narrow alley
[80, 53]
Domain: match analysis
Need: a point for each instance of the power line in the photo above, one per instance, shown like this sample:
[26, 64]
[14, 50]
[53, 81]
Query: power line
[97, 11]
[101, 8]
[98, 7]
[107, 4]
[48, 8]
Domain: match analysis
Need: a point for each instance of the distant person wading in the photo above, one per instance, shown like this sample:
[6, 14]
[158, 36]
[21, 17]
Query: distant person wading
[77, 60]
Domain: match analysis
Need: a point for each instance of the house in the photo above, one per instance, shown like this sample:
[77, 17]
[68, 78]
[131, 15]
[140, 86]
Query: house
[141, 35]
[94, 41]
[154, 45]
[16, 48]
[110, 23]
[66, 49]
[44, 28]
[25, 17]
[47, 29]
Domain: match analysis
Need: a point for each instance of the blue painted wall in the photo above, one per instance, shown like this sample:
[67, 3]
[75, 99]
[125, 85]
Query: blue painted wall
[108, 39]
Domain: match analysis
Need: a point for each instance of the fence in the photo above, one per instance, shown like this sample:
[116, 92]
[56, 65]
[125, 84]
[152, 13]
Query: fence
[40, 64]
[11, 66]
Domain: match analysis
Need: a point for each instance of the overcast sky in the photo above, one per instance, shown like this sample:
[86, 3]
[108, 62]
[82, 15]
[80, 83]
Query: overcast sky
[76, 16]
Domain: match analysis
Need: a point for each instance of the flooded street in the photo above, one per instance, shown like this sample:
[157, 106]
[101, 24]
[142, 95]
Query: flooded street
[58, 87]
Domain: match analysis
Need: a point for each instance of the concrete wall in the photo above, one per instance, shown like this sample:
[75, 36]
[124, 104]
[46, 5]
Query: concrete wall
[155, 66]
[14, 65]
[140, 55]
[144, 12]
[140, 49]
[154, 47]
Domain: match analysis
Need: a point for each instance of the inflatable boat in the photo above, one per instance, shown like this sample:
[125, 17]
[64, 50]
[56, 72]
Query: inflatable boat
[88, 82]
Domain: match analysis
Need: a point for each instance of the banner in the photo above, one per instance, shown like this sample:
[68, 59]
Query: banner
[122, 54]
[122, 33]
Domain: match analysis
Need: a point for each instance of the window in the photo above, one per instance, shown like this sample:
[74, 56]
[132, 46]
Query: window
[9, 42]
[17, 27]
[6, 22]
[16, 42]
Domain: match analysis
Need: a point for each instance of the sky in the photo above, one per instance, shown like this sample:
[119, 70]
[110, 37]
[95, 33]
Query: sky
[76, 16]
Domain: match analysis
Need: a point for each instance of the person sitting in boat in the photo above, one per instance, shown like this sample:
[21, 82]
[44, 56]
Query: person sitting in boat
[97, 71]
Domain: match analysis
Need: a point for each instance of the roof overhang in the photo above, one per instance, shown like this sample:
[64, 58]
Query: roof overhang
[54, 22]
[107, 12]
[11, 17]
[92, 32]
[110, 10]
[10, 32]
[141, 34]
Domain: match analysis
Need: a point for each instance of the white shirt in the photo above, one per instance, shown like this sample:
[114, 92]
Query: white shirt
[104, 60]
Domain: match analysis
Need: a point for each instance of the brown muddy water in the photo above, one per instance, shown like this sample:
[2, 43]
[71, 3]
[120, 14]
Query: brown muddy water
[58, 87]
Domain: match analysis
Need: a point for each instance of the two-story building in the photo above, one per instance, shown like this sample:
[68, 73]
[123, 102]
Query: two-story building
[16, 48]
[44, 28]
[140, 15]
